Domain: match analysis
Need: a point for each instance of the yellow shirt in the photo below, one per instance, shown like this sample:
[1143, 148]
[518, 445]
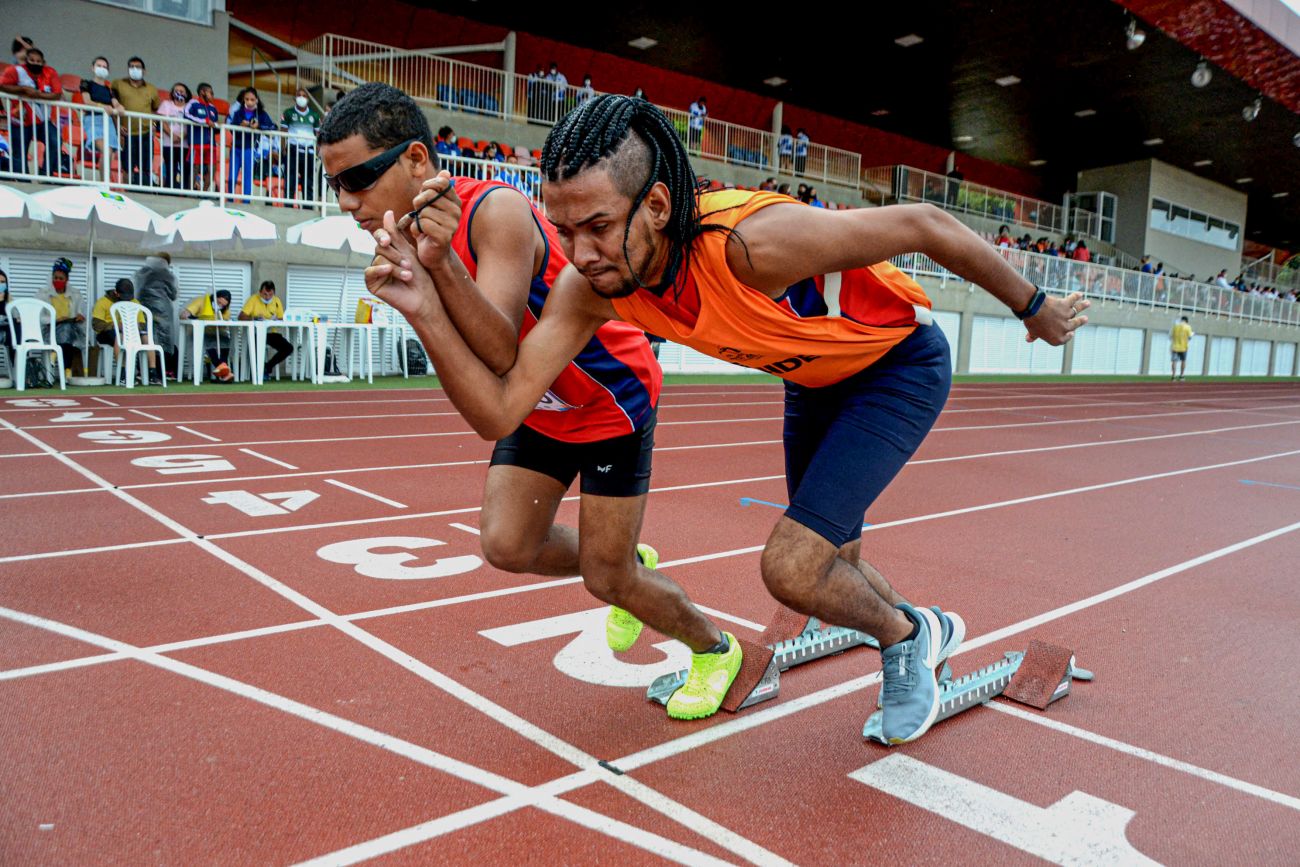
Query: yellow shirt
[256, 308]
[62, 305]
[102, 313]
[201, 308]
[1180, 337]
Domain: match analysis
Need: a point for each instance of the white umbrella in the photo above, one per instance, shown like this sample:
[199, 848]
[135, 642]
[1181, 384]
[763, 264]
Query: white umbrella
[99, 212]
[340, 233]
[215, 228]
[19, 210]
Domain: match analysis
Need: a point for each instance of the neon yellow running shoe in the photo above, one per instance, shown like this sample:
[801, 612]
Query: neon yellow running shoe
[707, 684]
[622, 628]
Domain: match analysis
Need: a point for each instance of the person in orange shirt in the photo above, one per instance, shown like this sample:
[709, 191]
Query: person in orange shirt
[756, 279]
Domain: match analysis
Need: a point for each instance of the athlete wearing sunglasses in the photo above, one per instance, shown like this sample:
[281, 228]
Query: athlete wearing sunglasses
[365, 175]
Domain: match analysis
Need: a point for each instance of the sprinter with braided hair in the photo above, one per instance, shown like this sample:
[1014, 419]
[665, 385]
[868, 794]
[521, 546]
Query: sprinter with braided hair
[768, 283]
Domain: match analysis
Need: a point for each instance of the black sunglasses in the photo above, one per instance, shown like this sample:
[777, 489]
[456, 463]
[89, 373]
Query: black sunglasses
[363, 176]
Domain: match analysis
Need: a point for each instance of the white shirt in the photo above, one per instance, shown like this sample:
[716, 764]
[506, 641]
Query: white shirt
[698, 113]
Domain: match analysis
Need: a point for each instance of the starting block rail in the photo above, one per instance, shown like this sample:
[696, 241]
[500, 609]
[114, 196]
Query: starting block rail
[980, 687]
[814, 642]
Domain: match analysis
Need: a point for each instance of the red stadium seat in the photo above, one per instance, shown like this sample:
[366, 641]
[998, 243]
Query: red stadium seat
[71, 83]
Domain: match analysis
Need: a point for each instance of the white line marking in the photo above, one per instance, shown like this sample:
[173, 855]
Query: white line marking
[1151, 756]
[730, 618]
[269, 460]
[25, 494]
[72, 552]
[345, 486]
[761, 717]
[145, 414]
[196, 433]
[105, 402]
[466, 527]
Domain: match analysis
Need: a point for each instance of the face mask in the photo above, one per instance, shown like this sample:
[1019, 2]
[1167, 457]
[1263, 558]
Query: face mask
[301, 102]
[4, 287]
[35, 69]
[101, 72]
[136, 73]
[60, 284]
[179, 96]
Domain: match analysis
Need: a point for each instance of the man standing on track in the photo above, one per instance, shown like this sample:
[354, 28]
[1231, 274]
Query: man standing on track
[595, 417]
[758, 280]
[1180, 338]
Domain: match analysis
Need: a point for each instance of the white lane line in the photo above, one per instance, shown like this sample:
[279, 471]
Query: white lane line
[197, 434]
[345, 486]
[105, 402]
[26, 455]
[730, 618]
[757, 718]
[25, 494]
[1150, 756]
[301, 474]
[467, 528]
[273, 420]
[269, 460]
[72, 552]
[137, 412]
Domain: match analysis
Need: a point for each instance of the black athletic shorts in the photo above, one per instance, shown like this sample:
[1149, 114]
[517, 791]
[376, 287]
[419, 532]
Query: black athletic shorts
[618, 467]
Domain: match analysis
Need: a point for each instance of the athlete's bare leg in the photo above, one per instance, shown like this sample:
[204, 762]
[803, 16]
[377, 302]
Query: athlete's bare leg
[517, 524]
[850, 553]
[609, 527]
[806, 573]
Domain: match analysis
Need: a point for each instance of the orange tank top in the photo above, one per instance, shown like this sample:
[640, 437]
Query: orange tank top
[823, 330]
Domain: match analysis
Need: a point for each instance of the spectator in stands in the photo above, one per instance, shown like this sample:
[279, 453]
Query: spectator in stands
[156, 289]
[265, 305]
[784, 189]
[559, 92]
[639, 94]
[1144, 265]
[1221, 280]
[138, 96]
[302, 122]
[101, 320]
[800, 151]
[768, 186]
[31, 123]
[19, 49]
[99, 130]
[175, 166]
[1052, 249]
[247, 116]
[493, 153]
[445, 144]
[1081, 252]
[699, 111]
[212, 307]
[802, 193]
[536, 94]
[1004, 237]
[586, 92]
[955, 177]
[202, 111]
[1180, 338]
[521, 181]
[785, 149]
[69, 321]
[814, 199]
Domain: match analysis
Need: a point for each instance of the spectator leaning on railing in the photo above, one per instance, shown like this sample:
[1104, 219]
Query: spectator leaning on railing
[100, 130]
[29, 121]
[175, 167]
[247, 116]
[135, 94]
[801, 142]
[699, 111]
[199, 135]
[301, 121]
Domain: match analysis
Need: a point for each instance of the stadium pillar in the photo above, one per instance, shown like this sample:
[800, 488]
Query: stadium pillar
[778, 113]
[508, 64]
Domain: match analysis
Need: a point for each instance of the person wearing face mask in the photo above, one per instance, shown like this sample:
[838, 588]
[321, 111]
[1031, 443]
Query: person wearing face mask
[586, 92]
[301, 121]
[69, 330]
[176, 169]
[203, 115]
[31, 122]
[139, 97]
[247, 116]
[100, 128]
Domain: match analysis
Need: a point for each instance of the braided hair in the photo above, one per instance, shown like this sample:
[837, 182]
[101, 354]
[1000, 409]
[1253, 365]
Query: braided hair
[631, 137]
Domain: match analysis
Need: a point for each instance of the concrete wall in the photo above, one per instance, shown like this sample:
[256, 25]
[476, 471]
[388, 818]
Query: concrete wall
[73, 32]
[1192, 191]
[1130, 183]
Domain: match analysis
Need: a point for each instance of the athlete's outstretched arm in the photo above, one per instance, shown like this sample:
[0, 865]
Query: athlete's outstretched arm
[494, 405]
[487, 311]
[783, 244]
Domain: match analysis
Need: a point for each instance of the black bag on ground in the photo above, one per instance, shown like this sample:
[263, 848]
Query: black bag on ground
[37, 377]
[416, 362]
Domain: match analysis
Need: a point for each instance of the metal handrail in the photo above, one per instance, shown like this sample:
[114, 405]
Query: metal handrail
[253, 51]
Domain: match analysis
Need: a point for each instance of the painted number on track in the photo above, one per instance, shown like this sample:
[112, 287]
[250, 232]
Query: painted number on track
[42, 402]
[587, 657]
[124, 437]
[1078, 829]
[171, 465]
[389, 558]
[262, 505]
[83, 415]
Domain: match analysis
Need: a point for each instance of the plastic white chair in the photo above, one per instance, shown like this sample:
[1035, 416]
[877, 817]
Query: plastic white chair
[36, 338]
[133, 350]
[302, 364]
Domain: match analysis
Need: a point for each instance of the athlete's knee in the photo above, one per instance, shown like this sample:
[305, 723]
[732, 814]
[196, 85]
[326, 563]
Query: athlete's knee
[607, 575]
[508, 551]
[794, 562]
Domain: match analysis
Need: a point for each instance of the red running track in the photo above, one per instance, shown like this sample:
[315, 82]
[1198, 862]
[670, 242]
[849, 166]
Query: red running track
[256, 628]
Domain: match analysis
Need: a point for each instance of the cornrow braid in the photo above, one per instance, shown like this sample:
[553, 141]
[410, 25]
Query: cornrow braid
[595, 131]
